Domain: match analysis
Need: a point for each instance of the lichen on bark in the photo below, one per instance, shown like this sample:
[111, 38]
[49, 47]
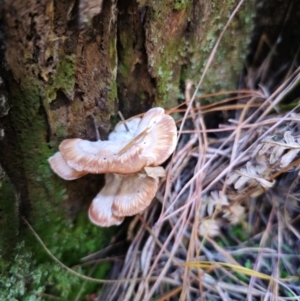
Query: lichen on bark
[177, 38]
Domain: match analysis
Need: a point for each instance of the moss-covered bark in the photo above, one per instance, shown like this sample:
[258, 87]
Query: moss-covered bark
[53, 89]
[177, 38]
[59, 78]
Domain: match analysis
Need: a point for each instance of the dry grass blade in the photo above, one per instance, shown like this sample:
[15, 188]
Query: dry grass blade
[179, 235]
[225, 224]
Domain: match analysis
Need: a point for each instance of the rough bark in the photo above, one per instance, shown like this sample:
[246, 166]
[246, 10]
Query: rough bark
[68, 64]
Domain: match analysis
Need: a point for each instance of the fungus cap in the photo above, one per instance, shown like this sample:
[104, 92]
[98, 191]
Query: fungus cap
[124, 195]
[120, 131]
[101, 156]
[152, 141]
[100, 212]
[62, 169]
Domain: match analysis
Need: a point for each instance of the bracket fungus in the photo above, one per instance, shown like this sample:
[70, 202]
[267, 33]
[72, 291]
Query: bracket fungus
[130, 158]
[124, 195]
[150, 142]
[61, 168]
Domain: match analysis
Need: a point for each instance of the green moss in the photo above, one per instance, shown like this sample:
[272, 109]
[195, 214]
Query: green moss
[112, 95]
[8, 218]
[168, 74]
[27, 279]
[168, 47]
[63, 79]
[31, 270]
[126, 54]
[12, 282]
[228, 60]
[181, 4]
[182, 55]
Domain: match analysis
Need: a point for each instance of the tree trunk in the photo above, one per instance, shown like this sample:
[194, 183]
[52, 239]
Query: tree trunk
[65, 66]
